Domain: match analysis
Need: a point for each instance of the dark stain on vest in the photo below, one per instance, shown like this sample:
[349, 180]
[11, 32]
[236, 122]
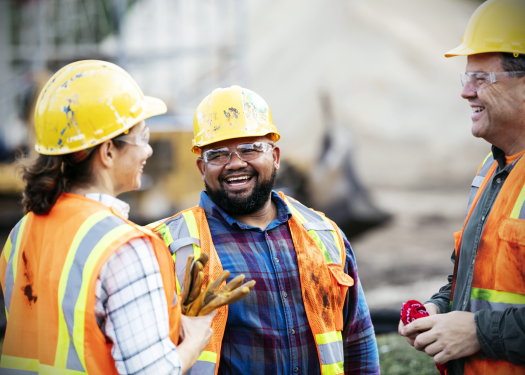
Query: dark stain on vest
[28, 291]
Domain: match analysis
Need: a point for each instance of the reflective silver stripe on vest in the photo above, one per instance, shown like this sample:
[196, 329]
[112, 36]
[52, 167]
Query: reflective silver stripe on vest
[314, 220]
[74, 281]
[181, 242]
[478, 180]
[331, 353]
[9, 275]
[180, 232]
[479, 304]
[202, 368]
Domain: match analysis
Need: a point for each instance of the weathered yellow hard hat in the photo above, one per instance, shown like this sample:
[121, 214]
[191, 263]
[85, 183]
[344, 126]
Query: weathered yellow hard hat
[496, 26]
[86, 103]
[233, 112]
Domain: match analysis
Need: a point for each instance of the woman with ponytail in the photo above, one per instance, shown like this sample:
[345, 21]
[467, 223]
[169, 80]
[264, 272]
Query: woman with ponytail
[86, 290]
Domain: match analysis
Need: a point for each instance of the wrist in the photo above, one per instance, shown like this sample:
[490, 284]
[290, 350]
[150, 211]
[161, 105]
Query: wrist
[432, 309]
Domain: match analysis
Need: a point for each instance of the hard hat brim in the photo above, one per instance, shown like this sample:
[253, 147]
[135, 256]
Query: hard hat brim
[150, 107]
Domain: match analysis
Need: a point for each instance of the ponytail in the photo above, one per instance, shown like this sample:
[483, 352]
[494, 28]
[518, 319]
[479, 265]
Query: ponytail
[48, 176]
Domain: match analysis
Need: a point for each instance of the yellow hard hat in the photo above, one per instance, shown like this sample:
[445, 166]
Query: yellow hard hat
[233, 112]
[86, 103]
[496, 26]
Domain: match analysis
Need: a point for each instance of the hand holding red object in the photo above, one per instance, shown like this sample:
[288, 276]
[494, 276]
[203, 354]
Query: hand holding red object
[413, 310]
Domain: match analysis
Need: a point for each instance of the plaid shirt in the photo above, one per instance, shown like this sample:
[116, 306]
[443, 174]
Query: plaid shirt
[268, 332]
[131, 308]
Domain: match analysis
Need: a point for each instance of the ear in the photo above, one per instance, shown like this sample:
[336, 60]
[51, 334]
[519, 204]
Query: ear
[201, 166]
[276, 154]
[107, 153]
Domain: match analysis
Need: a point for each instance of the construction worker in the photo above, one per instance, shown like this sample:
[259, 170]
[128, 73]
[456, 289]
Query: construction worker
[477, 321]
[86, 290]
[307, 313]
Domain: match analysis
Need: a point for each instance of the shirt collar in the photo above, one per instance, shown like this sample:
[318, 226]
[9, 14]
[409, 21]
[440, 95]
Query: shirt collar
[107, 200]
[499, 156]
[283, 212]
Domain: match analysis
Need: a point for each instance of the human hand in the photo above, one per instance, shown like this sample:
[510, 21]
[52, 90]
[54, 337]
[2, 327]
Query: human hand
[431, 309]
[195, 334]
[445, 336]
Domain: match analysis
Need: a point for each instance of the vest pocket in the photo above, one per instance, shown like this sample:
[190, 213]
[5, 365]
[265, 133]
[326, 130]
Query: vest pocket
[513, 231]
[341, 282]
[509, 258]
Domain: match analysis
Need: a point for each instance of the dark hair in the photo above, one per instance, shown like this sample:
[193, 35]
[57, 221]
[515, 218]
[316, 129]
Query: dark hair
[513, 64]
[48, 176]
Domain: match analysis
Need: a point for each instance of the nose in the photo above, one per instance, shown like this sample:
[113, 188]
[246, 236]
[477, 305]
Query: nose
[236, 162]
[150, 151]
[468, 93]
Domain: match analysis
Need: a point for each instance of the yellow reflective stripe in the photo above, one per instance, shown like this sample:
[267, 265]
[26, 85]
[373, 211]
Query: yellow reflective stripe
[51, 370]
[17, 247]
[320, 243]
[519, 203]
[328, 337]
[154, 224]
[17, 363]
[80, 307]
[484, 161]
[7, 248]
[497, 296]
[194, 231]
[336, 240]
[333, 369]
[165, 233]
[312, 232]
[208, 357]
[63, 334]
[177, 285]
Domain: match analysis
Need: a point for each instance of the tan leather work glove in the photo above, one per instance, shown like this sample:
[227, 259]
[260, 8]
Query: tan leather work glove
[198, 302]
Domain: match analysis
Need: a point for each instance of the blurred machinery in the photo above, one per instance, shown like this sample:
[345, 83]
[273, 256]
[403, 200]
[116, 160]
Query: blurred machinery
[201, 46]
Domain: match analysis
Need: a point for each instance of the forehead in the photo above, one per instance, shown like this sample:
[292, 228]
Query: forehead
[484, 62]
[231, 143]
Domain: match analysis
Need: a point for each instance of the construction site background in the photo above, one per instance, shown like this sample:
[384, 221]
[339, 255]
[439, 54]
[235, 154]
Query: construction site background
[374, 131]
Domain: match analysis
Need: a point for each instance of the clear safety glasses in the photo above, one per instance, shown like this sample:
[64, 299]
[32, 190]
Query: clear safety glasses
[479, 80]
[141, 139]
[245, 152]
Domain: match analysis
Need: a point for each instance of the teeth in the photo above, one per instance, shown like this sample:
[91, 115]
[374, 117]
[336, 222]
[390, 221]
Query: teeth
[477, 109]
[238, 178]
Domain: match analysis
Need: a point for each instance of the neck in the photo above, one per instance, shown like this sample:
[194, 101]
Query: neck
[99, 186]
[261, 218]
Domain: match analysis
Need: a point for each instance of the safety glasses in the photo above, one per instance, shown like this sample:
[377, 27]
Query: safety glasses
[245, 152]
[141, 139]
[479, 80]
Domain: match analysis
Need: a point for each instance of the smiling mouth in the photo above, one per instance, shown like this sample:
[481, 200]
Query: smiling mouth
[478, 109]
[238, 181]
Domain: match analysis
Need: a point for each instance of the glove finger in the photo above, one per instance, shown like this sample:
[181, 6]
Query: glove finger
[196, 287]
[234, 283]
[186, 285]
[197, 304]
[217, 283]
[224, 299]
[203, 258]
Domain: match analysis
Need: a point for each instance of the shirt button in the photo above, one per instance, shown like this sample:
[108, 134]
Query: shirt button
[465, 302]
[473, 260]
[498, 180]
[483, 218]
[285, 294]
[276, 260]
[292, 331]
[296, 369]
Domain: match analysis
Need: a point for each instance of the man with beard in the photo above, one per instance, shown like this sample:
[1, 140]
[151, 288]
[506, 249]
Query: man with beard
[307, 312]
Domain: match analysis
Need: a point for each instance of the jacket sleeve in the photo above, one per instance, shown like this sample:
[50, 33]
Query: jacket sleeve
[442, 298]
[359, 341]
[501, 334]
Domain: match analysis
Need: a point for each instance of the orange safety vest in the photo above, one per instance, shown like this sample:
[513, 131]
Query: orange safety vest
[321, 257]
[48, 270]
[498, 281]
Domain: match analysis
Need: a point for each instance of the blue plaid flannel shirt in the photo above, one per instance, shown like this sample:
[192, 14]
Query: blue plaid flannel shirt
[268, 332]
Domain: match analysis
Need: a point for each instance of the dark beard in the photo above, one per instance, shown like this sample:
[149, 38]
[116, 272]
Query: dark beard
[233, 205]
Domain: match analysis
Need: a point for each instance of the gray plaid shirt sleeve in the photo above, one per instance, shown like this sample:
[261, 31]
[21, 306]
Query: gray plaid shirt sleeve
[131, 311]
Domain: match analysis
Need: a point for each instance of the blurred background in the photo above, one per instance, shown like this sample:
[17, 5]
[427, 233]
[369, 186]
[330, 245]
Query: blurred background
[374, 131]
